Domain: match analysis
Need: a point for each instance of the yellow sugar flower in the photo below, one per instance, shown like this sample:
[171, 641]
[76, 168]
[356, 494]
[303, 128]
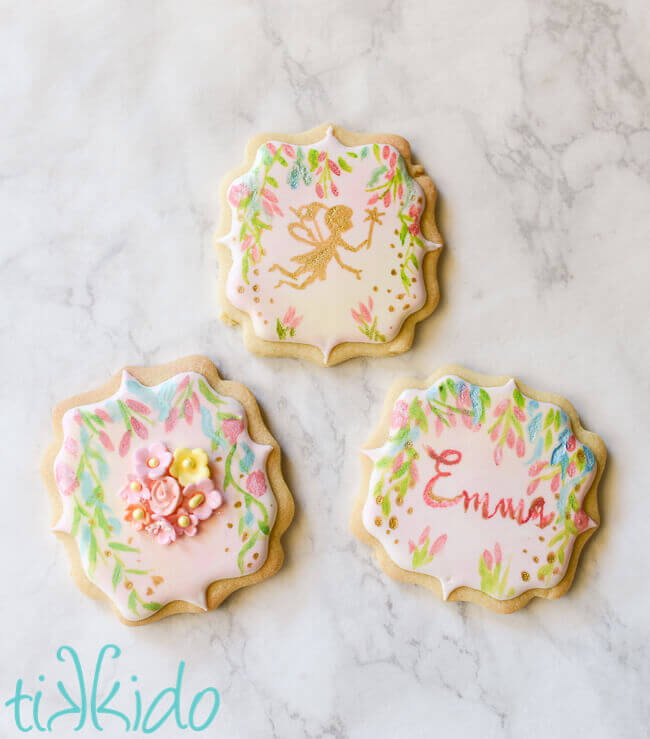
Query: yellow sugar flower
[190, 465]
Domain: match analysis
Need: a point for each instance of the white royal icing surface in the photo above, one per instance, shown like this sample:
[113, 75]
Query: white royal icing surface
[480, 487]
[284, 198]
[135, 571]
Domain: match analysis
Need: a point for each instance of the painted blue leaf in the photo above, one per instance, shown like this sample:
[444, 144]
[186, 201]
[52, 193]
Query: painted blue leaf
[564, 436]
[102, 468]
[164, 399]
[84, 538]
[563, 418]
[111, 408]
[533, 405]
[83, 437]
[564, 463]
[206, 423]
[115, 524]
[590, 460]
[477, 407]
[144, 393]
[460, 386]
[563, 497]
[246, 462]
[249, 519]
[87, 486]
[557, 452]
[534, 427]
[538, 451]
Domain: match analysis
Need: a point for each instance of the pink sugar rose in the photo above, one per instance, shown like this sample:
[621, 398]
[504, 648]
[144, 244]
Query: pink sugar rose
[212, 498]
[232, 428]
[135, 490]
[152, 462]
[165, 496]
[191, 528]
[256, 483]
[400, 415]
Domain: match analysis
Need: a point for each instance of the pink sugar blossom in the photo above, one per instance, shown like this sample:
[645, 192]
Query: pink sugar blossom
[183, 384]
[256, 483]
[288, 150]
[163, 532]
[373, 199]
[255, 253]
[271, 147]
[414, 211]
[400, 191]
[186, 530]
[232, 428]
[246, 242]
[77, 417]
[414, 228]
[495, 432]
[144, 456]
[571, 469]
[387, 199]
[321, 156]
[195, 401]
[66, 479]
[212, 498]
[132, 496]
[356, 316]
[365, 313]
[571, 443]
[415, 475]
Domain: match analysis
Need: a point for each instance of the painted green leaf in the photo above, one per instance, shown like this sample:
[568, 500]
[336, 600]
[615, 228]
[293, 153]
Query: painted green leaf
[119, 547]
[92, 554]
[375, 150]
[557, 420]
[240, 528]
[312, 157]
[549, 440]
[264, 528]
[385, 505]
[364, 152]
[102, 522]
[344, 165]
[272, 181]
[242, 552]
[75, 521]
[519, 398]
[549, 418]
[117, 574]
[244, 267]
[133, 602]
[136, 572]
[152, 606]
[208, 394]
[443, 392]
[451, 386]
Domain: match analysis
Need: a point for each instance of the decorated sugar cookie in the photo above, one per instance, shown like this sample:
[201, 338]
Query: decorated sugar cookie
[479, 488]
[328, 245]
[166, 486]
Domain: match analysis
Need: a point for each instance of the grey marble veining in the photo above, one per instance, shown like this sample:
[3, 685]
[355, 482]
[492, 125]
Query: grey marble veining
[533, 119]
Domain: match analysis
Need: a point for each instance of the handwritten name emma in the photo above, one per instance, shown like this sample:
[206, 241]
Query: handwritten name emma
[88, 711]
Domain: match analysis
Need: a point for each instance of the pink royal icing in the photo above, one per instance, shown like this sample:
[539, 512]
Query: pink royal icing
[480, 487]
[326, 243]
[146, 540]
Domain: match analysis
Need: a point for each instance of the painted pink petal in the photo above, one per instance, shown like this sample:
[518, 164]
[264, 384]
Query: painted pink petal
[438, 545]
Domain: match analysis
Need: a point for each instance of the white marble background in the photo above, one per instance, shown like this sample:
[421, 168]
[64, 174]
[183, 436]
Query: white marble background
[118, 120]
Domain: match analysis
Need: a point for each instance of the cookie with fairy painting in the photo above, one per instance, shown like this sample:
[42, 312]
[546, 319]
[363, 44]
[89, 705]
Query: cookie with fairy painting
[479, 488]
[166, 490]
[328, 245]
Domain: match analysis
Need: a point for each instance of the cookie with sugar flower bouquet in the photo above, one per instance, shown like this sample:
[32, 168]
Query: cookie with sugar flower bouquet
[167, 490]
[479, 488]
[328, 245]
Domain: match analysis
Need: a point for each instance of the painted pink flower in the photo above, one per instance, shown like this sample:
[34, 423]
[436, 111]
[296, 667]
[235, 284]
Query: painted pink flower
[468, 421]
[170, 422]
[105, 441]
[288, 150]
[438, 545]
[162, 531]
[495, 432]
[255, 253]
[400, 191]
[510, 438]
[237, 193]
[184, 522]
[519, 414]
[387, 199]
[152, 462]
[65, 478]
[571, 469]
[319, 190]
[397, 463]
[415, 475]
[439, 426]
[498, 454]
[536, 468]
[138, 427]
[248, 241]
[201, 498]
[334, 189]
[256, 483]
[414, 228]
[71, 446]
[385, 152]
[321, 156]
[135, 490]
[100, 413]
[411, 546]
[188, 411]
[414, 211]
[497, 553]
[195, 401]
[400, 415]
[520, 447]
[125, 443]
[232, 428]
[365, 313]
[138, 407]
[77, 417]
[424, 535]
[487, 558]
[183, 384]
[501, 407]
[271, 147]
[291, 319]
[356, 316]
[532, 487]
[555, 483]
[581, 520]
[571, 443]
[373, 199]
[165, 496]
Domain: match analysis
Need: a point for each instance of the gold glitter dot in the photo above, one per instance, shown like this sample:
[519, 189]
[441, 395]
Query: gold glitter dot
[525, 551]
[550, 557]
[409, 510]
[399, 501]
[271, 300]
[256, 300]
[229, 525]
[256, 271]
[265, 323]
[407, 306]
[535, 559]
[256, 288]
[375, 288]
[541, 538]
[378, 521]
[390, 308]
[396, 232]
[392, 522]
[240, 289]
[388, 290]
[401, 296]
[250, 564]
[227, 549]
[245, 536]
[256, 555]
[379, 499]
[238, 504]
[393, 271]
[525, 576]
[399, 254]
